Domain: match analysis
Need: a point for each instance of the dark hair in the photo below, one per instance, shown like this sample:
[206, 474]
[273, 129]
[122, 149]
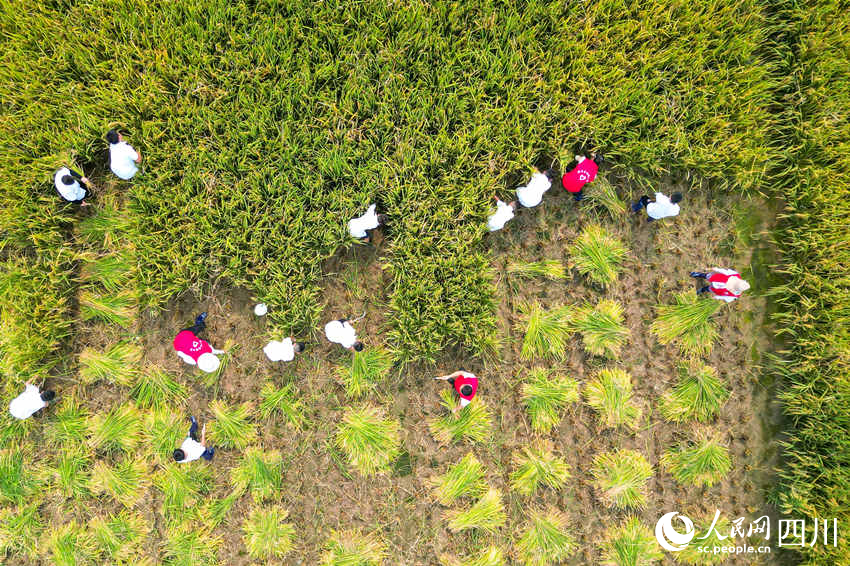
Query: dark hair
[677, 197]
[383, 218]
[358, 346]
[67, 179]
[598, 158]
[298, 347]
[48, 395]
[112, 136]
[466, 390]
[551, 174]
[178, 455]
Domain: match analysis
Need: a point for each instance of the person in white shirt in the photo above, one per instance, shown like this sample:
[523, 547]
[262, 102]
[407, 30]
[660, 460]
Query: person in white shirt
[71, 185]
[283, 350]
[191, 449]
[661, 208]
[532, 193]
[123, 159]
[504, 213]
[30, 401]
[342, 332]
[359, 227]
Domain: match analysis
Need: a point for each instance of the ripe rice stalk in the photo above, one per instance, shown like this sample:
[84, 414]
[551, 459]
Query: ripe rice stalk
[118, 309]
[692, 555]
[463, 479]
[20, 531]
[490, 556]
[487, 514]
[212, 379]
[546, 397]
[191, 544]
[233, 427]
[284, 401]
[472, 423]
[610, 395]
[621, 478]
[69, 544]
[352, 548]
[602, 195]
[118, 430]
[260, 472]
[68, 427]
[703, 462]
[365, 370]
[125, 482]
[602, 328]
[698, 394]
[370, 441]
[597, 255]
[266, 535]
[217, 509]
[630, 544]
[551, 269]
[70, 477]
[112, 271]
[546, 331]
[537, 467]
[157, 388]
[167, 430]
[546, 540]
[183, 490]
[105, 227]
[687, 323]
[118, 365]
[120, 538]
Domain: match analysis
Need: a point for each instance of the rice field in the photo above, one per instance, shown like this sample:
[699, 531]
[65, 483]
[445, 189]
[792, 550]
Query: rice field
[610, 394]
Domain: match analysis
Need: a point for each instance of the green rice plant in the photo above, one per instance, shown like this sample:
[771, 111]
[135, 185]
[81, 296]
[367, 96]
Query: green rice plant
[698, 394]
[546, 397]
[125, 482]
[352, 548]
[486, 514]
[18, 477]
[68, 425]
[112, 271]
[630, 544]
[260, 472]
[687, 323]
[472, 423]
[212, 379]
[105, 226]
[464, 479]
[70, 477]
[184, 488]
[13, 431]
[70, 544]
[217, 509]
[370, 441]
[691, 555]
[20, 529]
[597, 255]
[549, 268]
[157, 388]
[118, 365]
[266, 535]
[703, 462]
[120, 538]
[621, 478]
[167, 430]
[602, 195]
[232, 427]
[120, 429]
[490, 556]
[537, 467]
[284, 401]
[365, 370]
[610, 395]
[118, 309]
[547, 332]
[601, 328]
[191, 544]
[546, 540]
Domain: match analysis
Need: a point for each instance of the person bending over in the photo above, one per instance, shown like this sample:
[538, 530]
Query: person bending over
[195, 351]
[192, 449]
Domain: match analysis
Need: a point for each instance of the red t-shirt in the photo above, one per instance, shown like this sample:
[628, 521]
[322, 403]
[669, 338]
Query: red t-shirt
[466, 379]
[191, 345]
[722, 278]
[583, 173]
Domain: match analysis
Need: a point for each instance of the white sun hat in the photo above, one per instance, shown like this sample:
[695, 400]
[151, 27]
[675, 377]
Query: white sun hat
[260, 309]
[737, 285]
[208, 362]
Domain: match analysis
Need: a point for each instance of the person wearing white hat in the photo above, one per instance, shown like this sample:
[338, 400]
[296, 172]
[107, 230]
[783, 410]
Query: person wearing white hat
[724, 284]
[342, 332]
[504, 213]
[360, 226]
[283, 350]
[194, 350]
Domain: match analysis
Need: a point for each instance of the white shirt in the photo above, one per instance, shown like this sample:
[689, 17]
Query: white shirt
[497, 221]
[72, 192]
[27, 403]
[532, 194]
[357, 226]
[122, 159]
[662, 207]
[192, 449]
[341, 333]
[283, 351]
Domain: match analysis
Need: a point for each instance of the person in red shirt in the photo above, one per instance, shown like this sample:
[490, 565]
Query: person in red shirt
[195, 351]
[724, 284]
[582, 174]
[465, 384]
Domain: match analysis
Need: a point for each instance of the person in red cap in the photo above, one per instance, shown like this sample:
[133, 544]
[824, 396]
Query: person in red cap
[465, 384]
[195, 351]
[582, 174]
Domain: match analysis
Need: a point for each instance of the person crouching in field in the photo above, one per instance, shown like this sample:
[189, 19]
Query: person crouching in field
[724, 284]
[504, 213]
[191, 449]
[663, 207]
[30, 401]
[465, 385]
[71, 185]
[283, 350]
[195, 351]
[123, 159]
[585, 172]
[361, 226]
[342, 332]
[531, 194]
